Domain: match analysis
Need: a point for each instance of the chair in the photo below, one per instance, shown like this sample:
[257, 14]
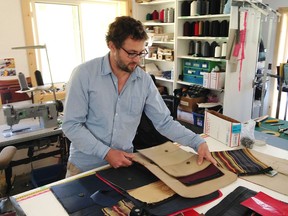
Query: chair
[6, 156]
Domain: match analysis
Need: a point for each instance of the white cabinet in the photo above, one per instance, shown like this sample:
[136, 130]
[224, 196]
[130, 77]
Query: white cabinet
[237, 94]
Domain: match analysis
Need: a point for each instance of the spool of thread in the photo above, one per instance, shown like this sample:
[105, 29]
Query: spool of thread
[155, 15]
[205, 49]
[38, 77]
[196, 28]
[200, 28]
[193, 8]
[23, 82]
[223, 50]
[186, 29]
[161, 15]
[170, 15]
[198, 46]
[217, 53]
[185, 8]
[192, 26]
[166, 15]
[191, 48]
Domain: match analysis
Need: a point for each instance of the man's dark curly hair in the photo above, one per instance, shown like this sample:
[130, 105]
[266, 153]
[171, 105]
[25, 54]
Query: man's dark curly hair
[124, 27]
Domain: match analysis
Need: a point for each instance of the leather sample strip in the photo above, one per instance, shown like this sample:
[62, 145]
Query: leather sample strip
[240, 161]
[209, 173]
[276, 183]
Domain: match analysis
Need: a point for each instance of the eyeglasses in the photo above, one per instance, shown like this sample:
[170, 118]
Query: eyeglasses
[134, 55]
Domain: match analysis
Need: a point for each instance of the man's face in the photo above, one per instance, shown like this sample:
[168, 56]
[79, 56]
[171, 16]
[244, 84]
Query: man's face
[128, 57]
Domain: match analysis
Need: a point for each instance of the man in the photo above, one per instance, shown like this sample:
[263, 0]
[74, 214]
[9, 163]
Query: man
[105, 100]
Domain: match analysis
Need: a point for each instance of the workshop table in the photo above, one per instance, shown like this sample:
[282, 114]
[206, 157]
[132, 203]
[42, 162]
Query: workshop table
[272, 129]
[41, 201]
[30, 138]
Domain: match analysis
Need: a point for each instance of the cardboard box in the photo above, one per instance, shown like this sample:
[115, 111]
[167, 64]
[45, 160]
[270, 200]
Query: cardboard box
[222, 128]
[189, 104]
[217, 80]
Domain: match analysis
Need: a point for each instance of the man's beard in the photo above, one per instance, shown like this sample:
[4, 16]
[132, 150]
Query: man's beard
[125, 67]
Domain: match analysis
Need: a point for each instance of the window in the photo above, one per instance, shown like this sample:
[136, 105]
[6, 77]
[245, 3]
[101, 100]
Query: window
[281, 56]
[73, 31]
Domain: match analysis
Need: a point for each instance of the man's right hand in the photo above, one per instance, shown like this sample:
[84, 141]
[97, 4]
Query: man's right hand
[117, 158]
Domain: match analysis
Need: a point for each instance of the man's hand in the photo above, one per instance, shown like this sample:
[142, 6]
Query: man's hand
[117, 158]
[203, 152]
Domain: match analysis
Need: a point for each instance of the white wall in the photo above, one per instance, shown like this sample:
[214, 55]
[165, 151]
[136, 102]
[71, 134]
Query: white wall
[12, 35]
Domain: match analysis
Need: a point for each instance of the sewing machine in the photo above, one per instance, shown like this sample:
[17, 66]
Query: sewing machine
[46, 112]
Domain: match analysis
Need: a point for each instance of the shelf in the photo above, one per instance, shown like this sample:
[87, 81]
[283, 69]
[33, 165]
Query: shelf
[190, 84]
[202, 58]
[158, 23]
[163, 42]
[158, 60]
[157, 2]
[163, 79]
[210, 17]
[203, 38]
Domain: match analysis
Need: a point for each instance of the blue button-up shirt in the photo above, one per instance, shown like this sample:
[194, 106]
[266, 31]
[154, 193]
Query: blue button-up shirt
[97, 118]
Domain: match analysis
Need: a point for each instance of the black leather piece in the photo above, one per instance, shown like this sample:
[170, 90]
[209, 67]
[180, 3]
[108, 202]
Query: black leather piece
[75, 195]
[163, 208]
[230, 205]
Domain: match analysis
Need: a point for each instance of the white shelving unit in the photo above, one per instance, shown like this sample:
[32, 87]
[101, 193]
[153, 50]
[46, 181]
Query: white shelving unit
[237, 95]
